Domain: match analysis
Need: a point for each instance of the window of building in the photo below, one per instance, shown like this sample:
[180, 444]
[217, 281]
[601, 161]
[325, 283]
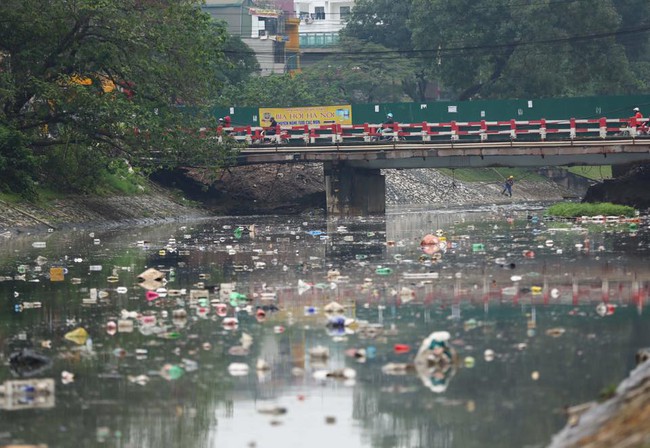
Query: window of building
[319, 13]
[344, 13]
[278, 52]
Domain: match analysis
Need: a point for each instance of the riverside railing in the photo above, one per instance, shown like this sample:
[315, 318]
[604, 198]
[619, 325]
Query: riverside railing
[471, 131]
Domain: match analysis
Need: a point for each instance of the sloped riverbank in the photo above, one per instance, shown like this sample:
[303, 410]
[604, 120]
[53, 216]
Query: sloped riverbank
[158, 205]
[292, 188]
[276, 189]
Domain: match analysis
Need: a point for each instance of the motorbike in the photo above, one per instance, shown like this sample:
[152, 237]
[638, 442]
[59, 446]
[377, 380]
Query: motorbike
[278, 139]
[383, 137]
[642, 129]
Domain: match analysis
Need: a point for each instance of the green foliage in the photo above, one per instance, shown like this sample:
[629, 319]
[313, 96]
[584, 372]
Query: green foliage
[378, 77]
[240, 62]
[503, 49]
[573, 50]
[607, 392]
[337, 79]
[497, 175]
[120, 178]
[382, 22]
[74, 168]
[386, 24]
[17, 164]
[280, 91]
[574, 210]
[592, 172]
[88, 81]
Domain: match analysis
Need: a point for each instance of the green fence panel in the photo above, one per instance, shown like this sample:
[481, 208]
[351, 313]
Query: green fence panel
[240, 116]
[490, 110]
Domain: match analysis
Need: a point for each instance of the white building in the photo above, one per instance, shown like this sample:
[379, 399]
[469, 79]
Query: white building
[281, 42]
[321, 21]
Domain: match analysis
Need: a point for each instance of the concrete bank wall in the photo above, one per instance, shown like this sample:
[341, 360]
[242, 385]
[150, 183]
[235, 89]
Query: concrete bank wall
[77, 210]
[429, 186]
[277, 189]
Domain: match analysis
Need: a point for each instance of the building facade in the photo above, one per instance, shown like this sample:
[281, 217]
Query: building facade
[321, 21]
[280, 34]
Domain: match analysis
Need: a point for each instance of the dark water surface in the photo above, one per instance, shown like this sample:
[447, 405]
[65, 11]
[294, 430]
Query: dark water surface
[519, 295]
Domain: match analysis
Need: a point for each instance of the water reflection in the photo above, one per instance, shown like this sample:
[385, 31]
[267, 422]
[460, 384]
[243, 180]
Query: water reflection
[522, 299]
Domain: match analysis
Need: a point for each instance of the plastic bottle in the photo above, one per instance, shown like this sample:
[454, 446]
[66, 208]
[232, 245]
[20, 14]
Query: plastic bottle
[401, 348]
[237, 298]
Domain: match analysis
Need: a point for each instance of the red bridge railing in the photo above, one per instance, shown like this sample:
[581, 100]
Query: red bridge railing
[482, 131]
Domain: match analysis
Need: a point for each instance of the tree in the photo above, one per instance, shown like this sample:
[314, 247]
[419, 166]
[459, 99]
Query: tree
[503, 48]
[360, 73]
[385, 23]
[279, 91]
[109, 79]
[363, 73]
[635, 38]
[240, 61]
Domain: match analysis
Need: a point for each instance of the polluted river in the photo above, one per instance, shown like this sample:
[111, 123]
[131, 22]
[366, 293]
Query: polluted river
[423, 328]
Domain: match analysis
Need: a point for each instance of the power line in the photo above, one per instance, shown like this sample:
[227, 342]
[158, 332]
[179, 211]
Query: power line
[458, 50]
[472, 7]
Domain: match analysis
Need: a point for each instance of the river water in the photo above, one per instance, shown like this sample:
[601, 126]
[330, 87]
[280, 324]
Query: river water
[541, 315]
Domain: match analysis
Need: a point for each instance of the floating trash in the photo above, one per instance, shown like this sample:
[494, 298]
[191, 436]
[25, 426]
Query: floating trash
[555, 332]
[171, 372]
[605, 309]
[238, 369]
[78, 336]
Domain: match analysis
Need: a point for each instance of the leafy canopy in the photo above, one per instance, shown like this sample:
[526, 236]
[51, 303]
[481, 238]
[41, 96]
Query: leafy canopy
[510, 48]
[341, 78]
[109, 78]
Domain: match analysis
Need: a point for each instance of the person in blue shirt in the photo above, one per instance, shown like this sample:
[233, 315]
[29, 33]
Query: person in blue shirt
[507, 186]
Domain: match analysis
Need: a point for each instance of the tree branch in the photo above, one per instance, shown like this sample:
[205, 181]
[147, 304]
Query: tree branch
[500, 65]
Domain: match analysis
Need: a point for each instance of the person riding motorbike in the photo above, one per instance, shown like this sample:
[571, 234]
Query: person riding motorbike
[386, 126]
[641, 124]
[271, 130]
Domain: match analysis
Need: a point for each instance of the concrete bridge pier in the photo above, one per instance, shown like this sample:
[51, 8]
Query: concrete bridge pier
[354, 191]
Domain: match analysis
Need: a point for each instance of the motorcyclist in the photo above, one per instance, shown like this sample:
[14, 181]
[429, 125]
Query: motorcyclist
[387, 126]
[641, 125]
[271, 130]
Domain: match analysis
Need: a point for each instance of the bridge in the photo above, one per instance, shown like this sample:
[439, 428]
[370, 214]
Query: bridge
[354, 155]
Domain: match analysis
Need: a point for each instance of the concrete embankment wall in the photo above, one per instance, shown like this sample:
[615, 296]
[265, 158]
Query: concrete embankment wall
[280, 189]
[75, 210]
[429, 186]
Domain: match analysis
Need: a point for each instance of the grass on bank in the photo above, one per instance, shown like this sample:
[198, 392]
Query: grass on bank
[592, 172]
[574, 210]
[121, 184]
[45, 195]
[500, 174]
[107, 184]
[497, 175]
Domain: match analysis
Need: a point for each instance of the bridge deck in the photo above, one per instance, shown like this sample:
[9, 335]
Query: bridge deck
[406, 154]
